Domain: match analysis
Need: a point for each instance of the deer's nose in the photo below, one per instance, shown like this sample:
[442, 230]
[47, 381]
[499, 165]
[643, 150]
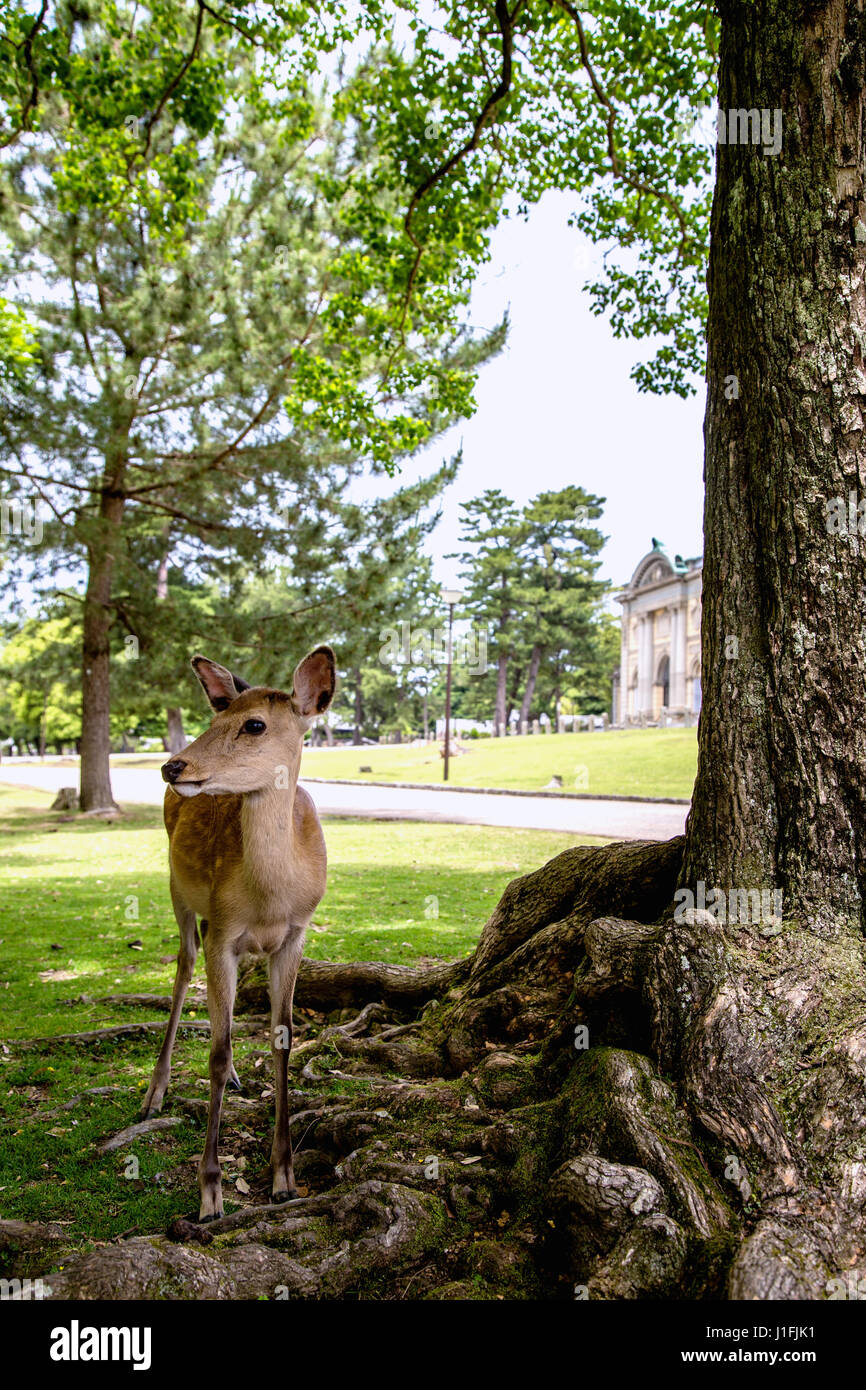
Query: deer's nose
[172, 770]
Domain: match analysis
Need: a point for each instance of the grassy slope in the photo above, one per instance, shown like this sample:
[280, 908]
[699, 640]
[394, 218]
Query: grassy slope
[623, 762]
[67, 888]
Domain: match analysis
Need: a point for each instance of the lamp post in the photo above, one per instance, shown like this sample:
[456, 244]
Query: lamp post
[451, 596]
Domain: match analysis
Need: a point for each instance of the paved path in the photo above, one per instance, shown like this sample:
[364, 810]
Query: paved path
[625, 820]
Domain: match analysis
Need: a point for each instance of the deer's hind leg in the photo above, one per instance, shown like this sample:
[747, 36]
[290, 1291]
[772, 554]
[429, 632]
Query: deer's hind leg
[185, 966]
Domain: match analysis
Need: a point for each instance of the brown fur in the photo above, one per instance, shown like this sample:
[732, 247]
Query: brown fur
[247, 856]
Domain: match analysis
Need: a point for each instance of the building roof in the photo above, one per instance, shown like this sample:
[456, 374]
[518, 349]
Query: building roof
[655, 569]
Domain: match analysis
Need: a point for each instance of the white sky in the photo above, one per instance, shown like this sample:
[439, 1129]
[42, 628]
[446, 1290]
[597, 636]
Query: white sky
[558, 405]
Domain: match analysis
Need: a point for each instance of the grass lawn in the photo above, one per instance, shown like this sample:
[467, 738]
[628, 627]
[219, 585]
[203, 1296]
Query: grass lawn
[85, 912]
[623, 762]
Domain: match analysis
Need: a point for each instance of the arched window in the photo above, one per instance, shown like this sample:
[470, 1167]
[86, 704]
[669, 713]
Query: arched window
[663, 678]
[695, 680]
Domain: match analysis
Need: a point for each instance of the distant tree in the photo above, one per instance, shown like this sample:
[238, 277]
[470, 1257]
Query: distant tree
[39, 703]
[559, 594]
[529, 582]
[587, 688]
[219, 350]
[384, 592]
[492, 574]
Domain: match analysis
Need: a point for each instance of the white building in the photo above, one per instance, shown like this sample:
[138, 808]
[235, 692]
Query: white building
[659, 675]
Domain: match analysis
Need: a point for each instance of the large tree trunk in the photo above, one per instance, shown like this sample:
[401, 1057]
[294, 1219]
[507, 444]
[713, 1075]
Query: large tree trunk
[175, 739]
[781, 788]
[531, 678]
[501, 713]
[357, 736]
[95, 791]
[762, 1020]
[175, 736]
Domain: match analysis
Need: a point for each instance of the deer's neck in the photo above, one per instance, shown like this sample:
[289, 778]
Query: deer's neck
[267, 827]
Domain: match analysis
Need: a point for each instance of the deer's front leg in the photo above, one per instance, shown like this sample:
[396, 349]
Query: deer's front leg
[222, 974]
[283, 966]
[185, 967]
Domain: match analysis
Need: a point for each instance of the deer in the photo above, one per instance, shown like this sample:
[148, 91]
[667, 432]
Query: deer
[247, 858]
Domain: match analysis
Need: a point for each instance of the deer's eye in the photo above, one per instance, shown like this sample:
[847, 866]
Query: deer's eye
[254, 726]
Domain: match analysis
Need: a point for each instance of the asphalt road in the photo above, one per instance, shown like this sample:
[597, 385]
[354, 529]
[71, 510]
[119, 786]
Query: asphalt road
[617, 820]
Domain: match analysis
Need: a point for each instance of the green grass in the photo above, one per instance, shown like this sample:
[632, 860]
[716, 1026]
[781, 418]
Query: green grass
[68, 935]
[622, 762]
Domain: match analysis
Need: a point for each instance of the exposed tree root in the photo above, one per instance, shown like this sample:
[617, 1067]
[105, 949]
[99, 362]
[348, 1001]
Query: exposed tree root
[601, 1102]
[328, 985]
[148, 1001]
[96, 1036]
[138, 1131]
[323, 1251]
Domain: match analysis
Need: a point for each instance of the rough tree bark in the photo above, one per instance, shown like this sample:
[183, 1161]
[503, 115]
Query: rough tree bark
[765, 1032]
[531, 678]
[781, 787]
[96, 792]
[104, 543]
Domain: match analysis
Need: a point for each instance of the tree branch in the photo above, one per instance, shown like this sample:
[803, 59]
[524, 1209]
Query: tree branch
[172, 87]
[505, 21]
[26, 45]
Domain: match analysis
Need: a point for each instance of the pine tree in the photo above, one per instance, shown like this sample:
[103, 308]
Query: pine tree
[226, 373]
[492, 575]
[559, 595]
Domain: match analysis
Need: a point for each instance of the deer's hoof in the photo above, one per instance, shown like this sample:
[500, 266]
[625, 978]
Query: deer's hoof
[287, 1195]
[153, 1099]
[211, 1206]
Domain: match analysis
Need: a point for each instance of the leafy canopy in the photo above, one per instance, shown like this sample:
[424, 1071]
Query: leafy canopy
[475, 103]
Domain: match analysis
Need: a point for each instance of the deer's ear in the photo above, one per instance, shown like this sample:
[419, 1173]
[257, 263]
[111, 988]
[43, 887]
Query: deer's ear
[314, 683]
[219, 685]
